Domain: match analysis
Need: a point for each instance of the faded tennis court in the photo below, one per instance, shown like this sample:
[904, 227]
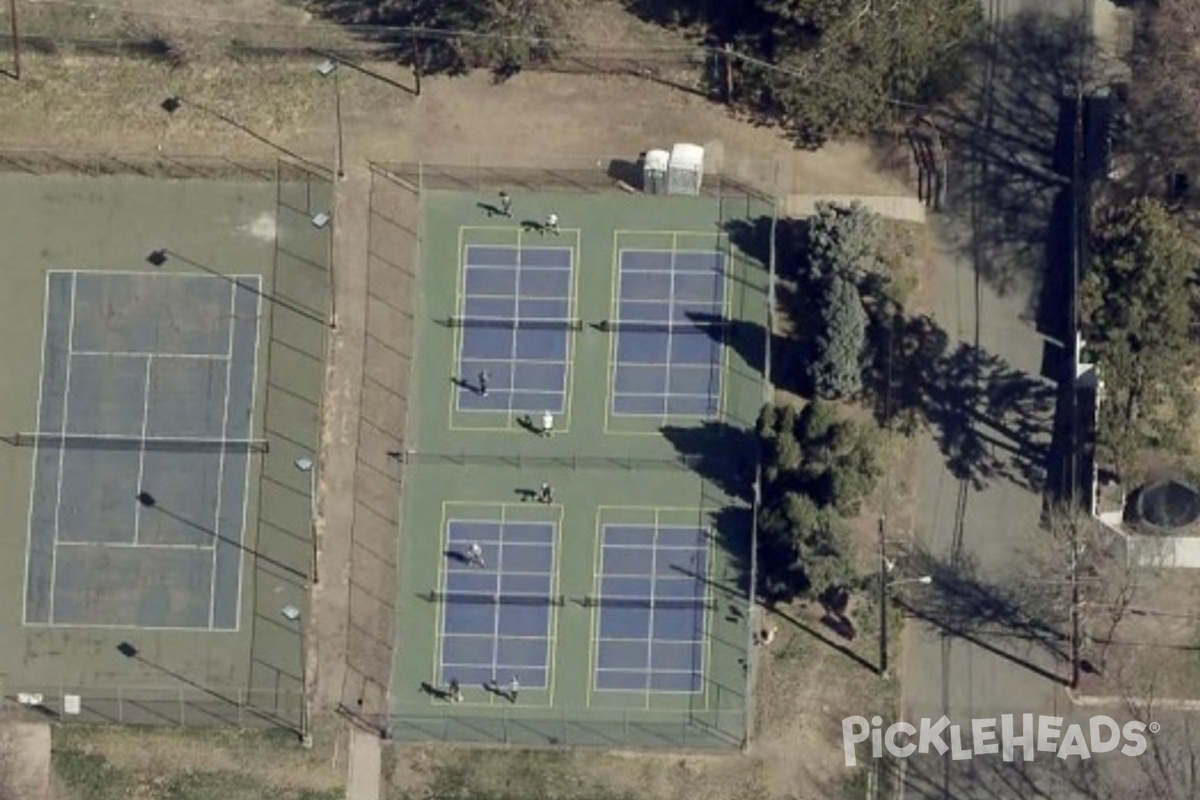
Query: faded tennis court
[141, 450]
[164, 340]
[613, 611]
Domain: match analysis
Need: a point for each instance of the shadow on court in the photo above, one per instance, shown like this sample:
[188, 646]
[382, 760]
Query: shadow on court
[149, 501]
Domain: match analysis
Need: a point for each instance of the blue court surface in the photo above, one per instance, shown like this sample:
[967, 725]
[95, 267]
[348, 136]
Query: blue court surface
[652, 608]
[496, 621]
[512, 298]
[147, 392]
[675, 371]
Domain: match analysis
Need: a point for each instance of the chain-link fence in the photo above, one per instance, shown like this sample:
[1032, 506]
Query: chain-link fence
[608, 728]
[159, 705]
[159, 165]
[591, 174]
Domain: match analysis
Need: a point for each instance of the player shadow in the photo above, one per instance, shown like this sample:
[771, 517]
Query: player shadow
[462, 383]
[436, 692]
[456, 556]
[493, 210]
[525, 421]
[533, 226]
[528, 495]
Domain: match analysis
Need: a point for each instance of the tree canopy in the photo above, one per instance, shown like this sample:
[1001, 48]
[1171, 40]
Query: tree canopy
[1137, 301]
[837, 67]
[817, 469]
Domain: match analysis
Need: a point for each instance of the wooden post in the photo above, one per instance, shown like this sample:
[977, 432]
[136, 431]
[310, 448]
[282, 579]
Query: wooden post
[16, 39]
[416, 62]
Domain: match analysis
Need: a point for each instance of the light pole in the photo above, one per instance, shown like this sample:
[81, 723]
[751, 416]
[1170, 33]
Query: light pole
[306, 464]
[886, 584]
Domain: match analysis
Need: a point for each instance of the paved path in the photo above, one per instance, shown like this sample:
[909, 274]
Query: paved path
[366, 765]
[988, 674]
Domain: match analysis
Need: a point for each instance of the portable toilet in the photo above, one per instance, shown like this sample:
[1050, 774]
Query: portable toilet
[686, 169]
[654, 171]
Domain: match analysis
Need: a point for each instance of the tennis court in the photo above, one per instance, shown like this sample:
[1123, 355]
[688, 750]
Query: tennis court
[164, 342]
[141, 451]
[619, 605]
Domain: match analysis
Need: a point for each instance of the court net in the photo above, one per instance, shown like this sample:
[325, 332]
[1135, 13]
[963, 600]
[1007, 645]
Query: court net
[593, 601]
[483, 599]
[528, 323]
[149, 443]
[713, 327]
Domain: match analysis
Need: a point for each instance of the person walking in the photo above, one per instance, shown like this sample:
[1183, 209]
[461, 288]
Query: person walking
[547, 495]
[455, 692]
[547, 423]
[551, 224]
[506, 204]
[514, 686]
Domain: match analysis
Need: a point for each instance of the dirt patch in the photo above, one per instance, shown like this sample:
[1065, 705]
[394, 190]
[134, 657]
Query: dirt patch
[150, 758]
[25, 760]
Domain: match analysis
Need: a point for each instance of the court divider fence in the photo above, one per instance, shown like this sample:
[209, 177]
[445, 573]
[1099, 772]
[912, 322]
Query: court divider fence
[33, 161]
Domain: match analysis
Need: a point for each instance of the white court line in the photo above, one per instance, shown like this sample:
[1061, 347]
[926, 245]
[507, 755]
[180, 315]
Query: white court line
[36, 449]
[137, 506]
[102, 273]
[127, 627]
[250, 434]
[61, 453]
[136, 545]
[514, 297]
[146, 354]
[212, 586]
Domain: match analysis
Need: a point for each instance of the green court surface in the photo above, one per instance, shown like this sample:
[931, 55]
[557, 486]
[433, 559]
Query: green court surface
[104, 626]
[475, 466]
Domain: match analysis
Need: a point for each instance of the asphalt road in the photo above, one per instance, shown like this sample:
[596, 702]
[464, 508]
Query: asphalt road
[998, 282]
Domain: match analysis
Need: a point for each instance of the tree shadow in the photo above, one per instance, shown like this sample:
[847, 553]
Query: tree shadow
[1011, 139]
[719, 452]
[989, 419]
[963, 603]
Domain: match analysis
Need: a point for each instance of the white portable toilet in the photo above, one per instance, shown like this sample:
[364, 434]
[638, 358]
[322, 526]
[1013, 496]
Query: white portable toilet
[686, 170]
[654, 171]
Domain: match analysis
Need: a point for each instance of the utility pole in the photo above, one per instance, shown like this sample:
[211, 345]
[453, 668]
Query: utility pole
[16, 39]
[883, 602]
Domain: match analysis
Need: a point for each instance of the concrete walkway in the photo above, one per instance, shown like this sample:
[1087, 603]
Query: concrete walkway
[366, 764]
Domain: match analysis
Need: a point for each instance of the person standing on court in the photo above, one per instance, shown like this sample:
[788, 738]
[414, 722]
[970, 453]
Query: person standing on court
[514, 686]
[551, 224]
[483, 383]
[475, 555]
[506, 204]
[547, 423]
[547, 496]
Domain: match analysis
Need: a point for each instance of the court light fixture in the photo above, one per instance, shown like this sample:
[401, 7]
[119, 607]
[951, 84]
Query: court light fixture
[327, 67]
[157, 258]
[321, 219]
[304, 464]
